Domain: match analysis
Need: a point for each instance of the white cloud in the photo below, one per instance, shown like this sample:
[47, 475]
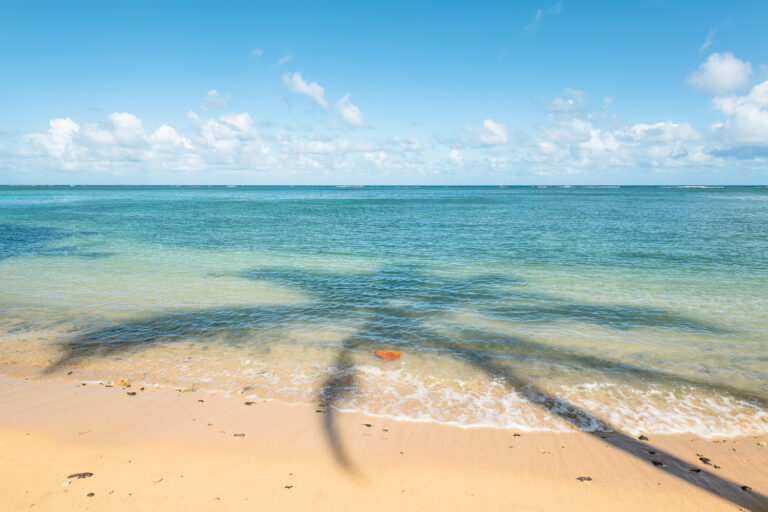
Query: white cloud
[126, 129]
[378, 159]
[575, 142]
[573, 105]
[490, 134]
[59, 139]
[746, 116]
[493, 133]
[571, 141]
[167, 135]
[665, 131]
[296, 83]
[532, 26]
[721, 73]
[257, 52]
[282, 60]
[350, 112]
[709, 40]
[404, 143]
[214, 100]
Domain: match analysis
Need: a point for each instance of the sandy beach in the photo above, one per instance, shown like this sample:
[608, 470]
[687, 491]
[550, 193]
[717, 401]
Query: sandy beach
[162, 449]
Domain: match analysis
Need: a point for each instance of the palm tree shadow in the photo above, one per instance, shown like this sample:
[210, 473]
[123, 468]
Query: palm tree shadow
[391, 302]
[342, 382]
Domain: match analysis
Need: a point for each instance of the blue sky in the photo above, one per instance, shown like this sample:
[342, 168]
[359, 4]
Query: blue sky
[384, 93]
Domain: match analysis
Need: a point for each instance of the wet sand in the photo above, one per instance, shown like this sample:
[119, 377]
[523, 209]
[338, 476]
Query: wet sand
[161, 449]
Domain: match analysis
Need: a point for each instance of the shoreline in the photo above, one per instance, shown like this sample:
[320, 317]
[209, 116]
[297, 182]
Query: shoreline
[268, 454]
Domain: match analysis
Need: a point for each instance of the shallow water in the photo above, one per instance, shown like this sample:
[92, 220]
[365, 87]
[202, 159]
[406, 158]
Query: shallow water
[641, 308]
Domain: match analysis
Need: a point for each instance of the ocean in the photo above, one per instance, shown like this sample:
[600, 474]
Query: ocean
[641, 309]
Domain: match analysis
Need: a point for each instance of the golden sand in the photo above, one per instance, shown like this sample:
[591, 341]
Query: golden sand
[161, 449]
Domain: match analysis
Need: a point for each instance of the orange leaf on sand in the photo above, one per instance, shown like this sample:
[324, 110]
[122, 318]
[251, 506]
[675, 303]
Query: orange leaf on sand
[388, 355]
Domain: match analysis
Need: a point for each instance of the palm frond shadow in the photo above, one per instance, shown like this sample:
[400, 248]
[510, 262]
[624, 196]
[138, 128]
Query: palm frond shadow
[391, 301]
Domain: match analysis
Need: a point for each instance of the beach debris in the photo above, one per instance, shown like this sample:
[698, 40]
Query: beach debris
[249, 403]
[201, 400]
[367, 425]
[288, 486]
[388, 355]
[131, 393]
[761, 443]
[66, 483]
[515, 435]
[157, 480]
[80, 475]
[191, 389]
[122, 382]
[746, 488]
[657, 462]
[695, 470]
[239, 435]
[90, 495]
[584, 478]
[705, 460]
[643, 438]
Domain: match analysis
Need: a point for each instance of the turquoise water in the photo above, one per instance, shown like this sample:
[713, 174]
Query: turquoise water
[638, 308]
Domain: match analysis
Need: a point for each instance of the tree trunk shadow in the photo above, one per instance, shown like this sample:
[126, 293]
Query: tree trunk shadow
[342, 382]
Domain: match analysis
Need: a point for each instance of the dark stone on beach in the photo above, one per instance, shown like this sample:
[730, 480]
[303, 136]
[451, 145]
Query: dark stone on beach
[131, 393]
[515, 435]
[90, 494]
[80, 475]
[746, 488]
[652, 452]
[288, 486]
[239, 435]
[108, 385]
[643, 438]
[695, 470]
[367, 425]
[657, 462]
[584, 478]
[716, 466]
[705, 460]
[318, 410]
[201, 400]
[69, 373]
[249, 403]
